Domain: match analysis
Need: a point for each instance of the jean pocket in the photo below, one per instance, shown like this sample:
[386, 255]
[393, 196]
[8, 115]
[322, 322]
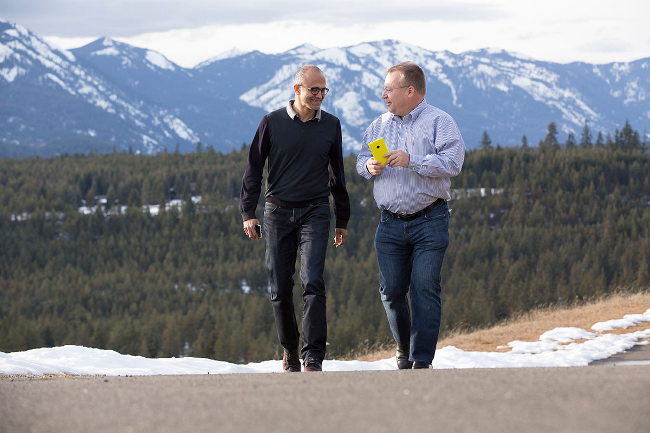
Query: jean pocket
[269, 208]
[441, 212]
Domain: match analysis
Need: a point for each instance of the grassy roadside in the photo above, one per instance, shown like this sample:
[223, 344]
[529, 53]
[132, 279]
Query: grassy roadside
[529, 326]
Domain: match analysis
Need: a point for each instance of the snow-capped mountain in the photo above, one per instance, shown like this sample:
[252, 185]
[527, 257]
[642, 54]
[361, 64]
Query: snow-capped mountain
[234, 52]
[504, 93]
[108, 94]
[50, 96]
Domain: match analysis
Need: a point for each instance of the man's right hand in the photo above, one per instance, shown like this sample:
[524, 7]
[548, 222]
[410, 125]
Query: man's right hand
[249, 228]
[374, 167]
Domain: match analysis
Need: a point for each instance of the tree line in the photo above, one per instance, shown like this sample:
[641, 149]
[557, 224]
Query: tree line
[530, 226]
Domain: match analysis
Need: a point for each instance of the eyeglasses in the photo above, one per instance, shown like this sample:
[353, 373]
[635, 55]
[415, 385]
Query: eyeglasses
[316, 90]
[387, 91]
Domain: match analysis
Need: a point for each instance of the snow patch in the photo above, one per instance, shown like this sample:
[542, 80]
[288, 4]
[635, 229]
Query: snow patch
[234, 52]
[304, 49]
[10, 74]
[180, 128]
[12, 33]
[274, 93]
[110, 51]
[334, 55]
[58, 81]
[159, 60]
[5, 52]
[555, 348]
[349, 104]
[363, 50]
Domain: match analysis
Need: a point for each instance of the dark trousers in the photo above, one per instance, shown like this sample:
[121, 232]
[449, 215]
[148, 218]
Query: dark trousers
[287, 231]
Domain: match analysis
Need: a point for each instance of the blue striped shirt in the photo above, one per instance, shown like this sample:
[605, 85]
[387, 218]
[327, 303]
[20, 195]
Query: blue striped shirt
[437, 151]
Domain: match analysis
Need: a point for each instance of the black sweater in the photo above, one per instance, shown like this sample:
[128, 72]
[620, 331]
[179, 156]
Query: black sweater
[305, 165]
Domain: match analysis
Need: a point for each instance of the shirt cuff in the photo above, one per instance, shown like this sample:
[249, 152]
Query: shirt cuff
[415, 162]
[248, 216]
[365, 173]
[341, 224]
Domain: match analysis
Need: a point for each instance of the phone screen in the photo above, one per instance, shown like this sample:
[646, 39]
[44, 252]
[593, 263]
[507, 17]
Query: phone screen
[258, 230]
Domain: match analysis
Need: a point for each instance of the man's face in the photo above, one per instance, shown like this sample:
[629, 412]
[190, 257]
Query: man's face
[304, 97]
[396, 96]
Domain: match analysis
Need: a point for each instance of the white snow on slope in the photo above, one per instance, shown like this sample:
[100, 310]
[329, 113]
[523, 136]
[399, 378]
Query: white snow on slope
[233, 52]
[551, 350]
[159, 60]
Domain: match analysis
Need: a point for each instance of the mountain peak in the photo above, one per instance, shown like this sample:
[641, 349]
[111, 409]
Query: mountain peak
[489, 52]
[303, 49]
[233, 52]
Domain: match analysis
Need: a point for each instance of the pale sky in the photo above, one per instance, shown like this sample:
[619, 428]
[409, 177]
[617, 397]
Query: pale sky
[191, 31]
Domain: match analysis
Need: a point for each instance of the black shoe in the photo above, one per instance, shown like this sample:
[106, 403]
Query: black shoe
[403, 362]
[291, 361]
[313, 364]
[417, 365]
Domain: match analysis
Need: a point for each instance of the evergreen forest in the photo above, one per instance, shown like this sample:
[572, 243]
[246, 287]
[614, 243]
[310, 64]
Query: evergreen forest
[557, 223]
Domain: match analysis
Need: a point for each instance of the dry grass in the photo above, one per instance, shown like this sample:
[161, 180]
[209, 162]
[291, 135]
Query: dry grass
[529, 326]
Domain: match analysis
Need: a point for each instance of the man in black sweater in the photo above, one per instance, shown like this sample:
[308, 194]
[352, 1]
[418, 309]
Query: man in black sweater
[303, 146]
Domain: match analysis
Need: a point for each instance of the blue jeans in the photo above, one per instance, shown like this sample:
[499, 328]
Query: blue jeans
[287, 230]
[410, 255]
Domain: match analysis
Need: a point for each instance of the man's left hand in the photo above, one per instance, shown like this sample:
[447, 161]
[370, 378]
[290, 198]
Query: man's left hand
[340, 235]
[398, 158]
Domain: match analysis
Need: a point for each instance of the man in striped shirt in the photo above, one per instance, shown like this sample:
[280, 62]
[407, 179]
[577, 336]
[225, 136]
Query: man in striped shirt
[425, 149]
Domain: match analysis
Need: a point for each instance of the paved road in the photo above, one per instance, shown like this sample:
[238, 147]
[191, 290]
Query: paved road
[578, 399]
[638, 355]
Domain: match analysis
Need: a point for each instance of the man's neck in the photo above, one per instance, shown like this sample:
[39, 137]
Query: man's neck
[411, 109]
[305, 113]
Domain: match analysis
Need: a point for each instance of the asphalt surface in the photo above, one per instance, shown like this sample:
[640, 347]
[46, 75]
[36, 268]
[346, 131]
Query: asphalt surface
[638, 355]
[603, 398]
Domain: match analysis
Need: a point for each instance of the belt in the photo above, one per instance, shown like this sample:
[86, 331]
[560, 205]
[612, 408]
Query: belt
[412, 216]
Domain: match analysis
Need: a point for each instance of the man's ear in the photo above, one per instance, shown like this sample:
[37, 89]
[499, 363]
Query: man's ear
[296, 89]
[411, 91]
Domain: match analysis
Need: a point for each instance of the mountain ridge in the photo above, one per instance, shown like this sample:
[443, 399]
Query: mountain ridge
[120, 96]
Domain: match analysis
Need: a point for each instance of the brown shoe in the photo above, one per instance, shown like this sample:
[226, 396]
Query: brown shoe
[291, 361]
[403, 362]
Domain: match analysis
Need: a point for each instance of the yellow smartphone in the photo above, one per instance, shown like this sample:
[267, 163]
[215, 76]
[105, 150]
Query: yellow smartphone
[379, 149]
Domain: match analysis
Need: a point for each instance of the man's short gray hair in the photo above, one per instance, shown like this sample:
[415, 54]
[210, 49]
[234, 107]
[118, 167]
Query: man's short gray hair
[300, 75]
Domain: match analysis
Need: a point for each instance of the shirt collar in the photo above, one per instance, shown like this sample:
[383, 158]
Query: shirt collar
[292, 113]
[414, 114]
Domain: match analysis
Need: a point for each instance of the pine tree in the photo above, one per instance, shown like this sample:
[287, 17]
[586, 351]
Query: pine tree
[486, 143]
[551, 135]
[585, 138]
[570, 141]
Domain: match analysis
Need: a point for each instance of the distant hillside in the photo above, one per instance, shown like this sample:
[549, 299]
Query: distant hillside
[110, 94]
[529, 228]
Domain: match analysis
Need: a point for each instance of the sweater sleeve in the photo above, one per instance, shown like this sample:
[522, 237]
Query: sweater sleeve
[252, 180]
[337, 181]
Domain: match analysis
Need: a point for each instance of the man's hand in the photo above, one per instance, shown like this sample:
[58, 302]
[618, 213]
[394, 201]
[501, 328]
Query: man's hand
[340, 235]
[249, 228]
[374, 167]
[398, 158]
